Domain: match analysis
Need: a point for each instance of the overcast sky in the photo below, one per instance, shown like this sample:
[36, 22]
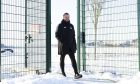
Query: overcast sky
[59, 7]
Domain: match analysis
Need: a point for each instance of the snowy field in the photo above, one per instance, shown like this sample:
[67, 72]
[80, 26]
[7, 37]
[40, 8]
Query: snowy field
[119, 60]
[88, 78]
[106, 77]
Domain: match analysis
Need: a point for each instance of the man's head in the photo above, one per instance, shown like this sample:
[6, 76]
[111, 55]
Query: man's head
[66, 17]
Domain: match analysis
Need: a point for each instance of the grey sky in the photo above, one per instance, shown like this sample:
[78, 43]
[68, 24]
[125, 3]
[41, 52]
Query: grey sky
[58, 8]
[118, 21]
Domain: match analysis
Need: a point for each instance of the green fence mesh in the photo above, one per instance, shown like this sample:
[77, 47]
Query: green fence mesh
[111, 36]
[23, 31]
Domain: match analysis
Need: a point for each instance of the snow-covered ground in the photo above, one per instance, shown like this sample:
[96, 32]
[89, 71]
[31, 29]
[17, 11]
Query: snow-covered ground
[88, 78]
[106, 77]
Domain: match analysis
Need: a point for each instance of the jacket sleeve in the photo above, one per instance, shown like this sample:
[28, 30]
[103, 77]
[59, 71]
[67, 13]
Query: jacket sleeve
[74, 38]
[58, 33]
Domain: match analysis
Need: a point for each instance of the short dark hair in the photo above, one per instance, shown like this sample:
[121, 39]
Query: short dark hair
[65, 14]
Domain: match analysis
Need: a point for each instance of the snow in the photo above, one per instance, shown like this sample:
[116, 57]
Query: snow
[104, 77]
[131, 80]
[57, 78]
[88, 78]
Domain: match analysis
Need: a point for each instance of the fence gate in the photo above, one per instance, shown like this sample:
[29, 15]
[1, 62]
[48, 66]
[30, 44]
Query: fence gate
[25, 45]
[108, 35]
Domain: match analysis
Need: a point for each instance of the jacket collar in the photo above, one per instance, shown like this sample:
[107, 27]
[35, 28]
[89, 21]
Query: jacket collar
[64, 22]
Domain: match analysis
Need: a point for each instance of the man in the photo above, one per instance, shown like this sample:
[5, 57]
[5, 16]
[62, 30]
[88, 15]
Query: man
[65, 35]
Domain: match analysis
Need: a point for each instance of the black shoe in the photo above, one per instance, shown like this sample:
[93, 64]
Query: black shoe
[77, 76]
[63, 73]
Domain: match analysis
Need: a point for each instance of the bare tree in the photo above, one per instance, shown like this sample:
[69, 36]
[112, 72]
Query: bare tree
[97, 6]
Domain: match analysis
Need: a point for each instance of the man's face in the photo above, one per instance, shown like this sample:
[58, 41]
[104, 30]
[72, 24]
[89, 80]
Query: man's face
[66, 18]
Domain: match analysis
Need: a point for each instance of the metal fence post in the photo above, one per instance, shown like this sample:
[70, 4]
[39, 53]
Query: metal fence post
[0, 40]
[26, 54]
[48, 36]
[138, 16]
[78, 34]
[83, 31]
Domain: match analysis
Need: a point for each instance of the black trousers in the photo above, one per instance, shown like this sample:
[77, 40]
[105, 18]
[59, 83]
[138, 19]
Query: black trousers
[73, 61]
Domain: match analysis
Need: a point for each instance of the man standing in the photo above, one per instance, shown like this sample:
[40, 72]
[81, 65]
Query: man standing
[65, 35]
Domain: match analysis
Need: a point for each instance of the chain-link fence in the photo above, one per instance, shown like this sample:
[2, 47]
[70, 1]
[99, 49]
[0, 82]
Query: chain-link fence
[24, 37]
[109, 36]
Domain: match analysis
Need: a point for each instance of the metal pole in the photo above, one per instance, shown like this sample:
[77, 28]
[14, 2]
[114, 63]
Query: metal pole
[83, 31]
[0, 39]
[138, 15]
[48, 36]
[26, 37]
[78, 34]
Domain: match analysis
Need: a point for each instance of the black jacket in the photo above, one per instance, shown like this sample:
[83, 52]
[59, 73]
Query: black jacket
[65, 35]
